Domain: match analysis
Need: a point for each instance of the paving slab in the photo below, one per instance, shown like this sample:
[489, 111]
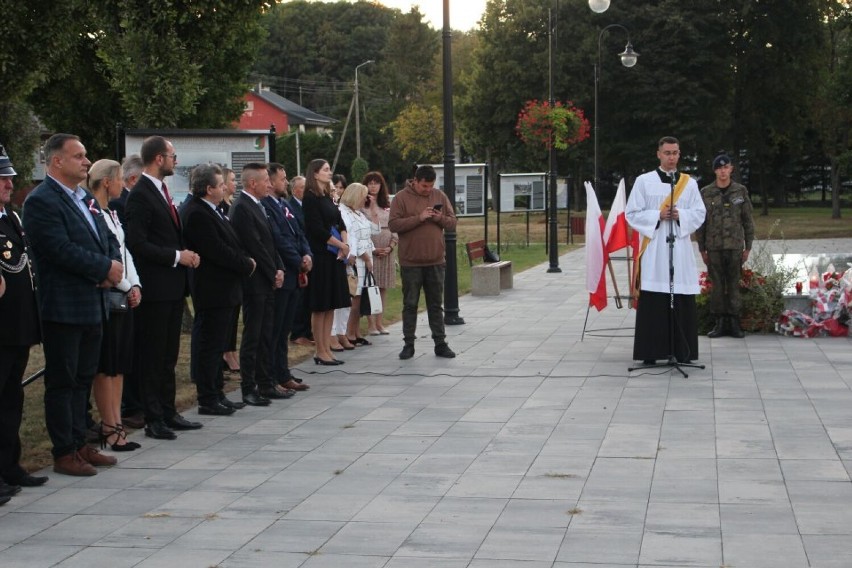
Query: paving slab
[534, 448]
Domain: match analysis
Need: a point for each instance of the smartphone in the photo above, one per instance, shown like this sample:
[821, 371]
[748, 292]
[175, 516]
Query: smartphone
[437, 206]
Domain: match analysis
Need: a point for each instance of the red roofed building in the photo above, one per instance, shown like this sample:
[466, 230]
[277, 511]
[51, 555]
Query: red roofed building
[265, 108]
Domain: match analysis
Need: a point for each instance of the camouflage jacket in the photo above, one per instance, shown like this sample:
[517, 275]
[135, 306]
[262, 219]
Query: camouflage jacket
[728, 224]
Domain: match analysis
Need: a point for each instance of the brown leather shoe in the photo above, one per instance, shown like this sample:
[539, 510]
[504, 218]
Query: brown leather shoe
[72, 464]
[94, 457]
[304, 341]
[293, 385]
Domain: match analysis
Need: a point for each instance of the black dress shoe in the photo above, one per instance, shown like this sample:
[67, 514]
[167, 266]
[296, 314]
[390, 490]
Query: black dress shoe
[216, 409]
[24, 479]
[9, 490]
[178, 422]
[159, 431]
[228, 403]
[254, 399]
[276, 393]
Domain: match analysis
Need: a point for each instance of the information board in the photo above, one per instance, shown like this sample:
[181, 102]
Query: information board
[528, 192]
[471, 188]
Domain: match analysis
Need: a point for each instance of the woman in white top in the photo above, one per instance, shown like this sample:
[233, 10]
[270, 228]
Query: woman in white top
[358, 231]
[104, 182]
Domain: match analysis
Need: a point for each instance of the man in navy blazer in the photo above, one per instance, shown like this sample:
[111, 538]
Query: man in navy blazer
[154, 238]
[300, 333]
[295, 252]
[77, 260]
[253, 227]
[216, 285]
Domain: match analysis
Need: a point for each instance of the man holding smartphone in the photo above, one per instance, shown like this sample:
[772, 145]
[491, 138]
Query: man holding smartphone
[419, 214]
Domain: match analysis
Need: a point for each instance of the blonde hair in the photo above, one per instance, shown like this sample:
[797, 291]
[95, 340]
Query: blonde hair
[101, 170]
[353, 195]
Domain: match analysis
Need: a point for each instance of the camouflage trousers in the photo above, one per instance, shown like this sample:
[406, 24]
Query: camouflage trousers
[725, 269]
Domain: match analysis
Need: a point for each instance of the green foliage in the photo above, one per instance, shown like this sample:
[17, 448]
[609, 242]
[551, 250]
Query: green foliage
[179, 63]
[19, 133]
[311, 146]
[418, 133]
[360, 167]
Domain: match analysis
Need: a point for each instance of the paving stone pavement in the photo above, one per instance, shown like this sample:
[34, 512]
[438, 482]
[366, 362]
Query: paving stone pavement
[531, 449]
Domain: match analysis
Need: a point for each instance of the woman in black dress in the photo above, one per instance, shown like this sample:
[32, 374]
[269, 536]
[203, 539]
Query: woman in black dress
[328, 284]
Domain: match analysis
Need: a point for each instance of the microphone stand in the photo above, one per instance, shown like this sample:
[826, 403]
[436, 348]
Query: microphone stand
[672, 360]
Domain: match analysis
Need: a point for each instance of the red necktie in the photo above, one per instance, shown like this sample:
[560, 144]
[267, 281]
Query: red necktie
[171, 205]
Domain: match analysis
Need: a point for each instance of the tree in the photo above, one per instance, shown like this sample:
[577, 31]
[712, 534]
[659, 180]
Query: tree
[418, 133]
[37, 35]
[179, 63]
[832, 100]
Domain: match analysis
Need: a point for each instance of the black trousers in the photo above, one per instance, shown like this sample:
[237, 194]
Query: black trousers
[302, 318]
[210, 333]
[652, 340]
[277, 343]
[258, 319]
[159, 345]
[131, 393]
[13, 364]
[71, 356]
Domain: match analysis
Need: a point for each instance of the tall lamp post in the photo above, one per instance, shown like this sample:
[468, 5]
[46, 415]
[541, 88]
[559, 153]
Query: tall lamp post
[451, 283]
[628, 59]
[358, 112]
[597, 6]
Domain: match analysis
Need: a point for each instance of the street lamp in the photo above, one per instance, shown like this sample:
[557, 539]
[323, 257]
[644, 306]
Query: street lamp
[597, 6]
[628, 59]
[358, 112]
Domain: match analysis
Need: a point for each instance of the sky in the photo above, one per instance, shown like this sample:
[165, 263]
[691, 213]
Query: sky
[463, 13]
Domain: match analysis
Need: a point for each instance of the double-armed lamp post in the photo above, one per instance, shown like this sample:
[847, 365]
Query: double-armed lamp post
[597, 6]
[628, 59]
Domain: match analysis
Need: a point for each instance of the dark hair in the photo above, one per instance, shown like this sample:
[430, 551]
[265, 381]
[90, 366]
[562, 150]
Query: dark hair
[382, 199]
[152, 147]
[312, 184]
[274, 168]
[425, 173]
[55, 143]
[339, 178]
[202, 177]
[667, 140]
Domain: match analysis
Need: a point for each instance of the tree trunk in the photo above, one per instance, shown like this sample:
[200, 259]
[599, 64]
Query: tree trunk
[835, 187]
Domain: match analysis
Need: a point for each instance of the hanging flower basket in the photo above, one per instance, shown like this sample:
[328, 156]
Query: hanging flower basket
[560, 126]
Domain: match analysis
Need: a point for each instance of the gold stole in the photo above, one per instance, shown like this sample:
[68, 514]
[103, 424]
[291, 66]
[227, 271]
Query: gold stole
[637, 262]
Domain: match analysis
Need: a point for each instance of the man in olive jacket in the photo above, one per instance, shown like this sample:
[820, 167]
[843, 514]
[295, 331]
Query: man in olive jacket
[725, 241]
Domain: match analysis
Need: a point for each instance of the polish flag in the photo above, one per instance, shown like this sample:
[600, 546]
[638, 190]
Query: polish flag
[615, 233]
[595, 253]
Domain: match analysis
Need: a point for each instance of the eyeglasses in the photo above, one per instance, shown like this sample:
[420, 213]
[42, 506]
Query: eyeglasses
[172, 156]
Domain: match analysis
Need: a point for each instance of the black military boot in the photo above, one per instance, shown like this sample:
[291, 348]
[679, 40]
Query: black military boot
[719, 330]
[734, 326]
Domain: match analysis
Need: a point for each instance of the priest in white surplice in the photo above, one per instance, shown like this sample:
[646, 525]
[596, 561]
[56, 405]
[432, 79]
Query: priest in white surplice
[649, 212]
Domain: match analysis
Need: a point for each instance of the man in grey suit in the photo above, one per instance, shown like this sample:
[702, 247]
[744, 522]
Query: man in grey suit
[77, 260]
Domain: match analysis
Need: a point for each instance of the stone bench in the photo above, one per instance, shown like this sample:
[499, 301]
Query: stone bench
[487, 278]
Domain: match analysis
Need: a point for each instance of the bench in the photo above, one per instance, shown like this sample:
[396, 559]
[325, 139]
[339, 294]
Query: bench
[487, 278]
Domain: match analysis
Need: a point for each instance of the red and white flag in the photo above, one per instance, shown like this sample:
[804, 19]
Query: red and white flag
[596, 255]
[615, 233]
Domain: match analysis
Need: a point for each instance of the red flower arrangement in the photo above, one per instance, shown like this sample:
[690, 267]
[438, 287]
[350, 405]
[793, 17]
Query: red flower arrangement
[559, 126]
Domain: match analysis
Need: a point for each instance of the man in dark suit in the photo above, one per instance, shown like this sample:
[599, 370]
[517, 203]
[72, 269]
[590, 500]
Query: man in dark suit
[293, 248]
[77, 260]
[131, 169]
[300, 333]
[154, 238]
[20, 331]
[216, 286]
[132, 409]
[248, 217]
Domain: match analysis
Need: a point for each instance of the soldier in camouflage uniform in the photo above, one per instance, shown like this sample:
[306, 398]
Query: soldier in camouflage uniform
[725, 241]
